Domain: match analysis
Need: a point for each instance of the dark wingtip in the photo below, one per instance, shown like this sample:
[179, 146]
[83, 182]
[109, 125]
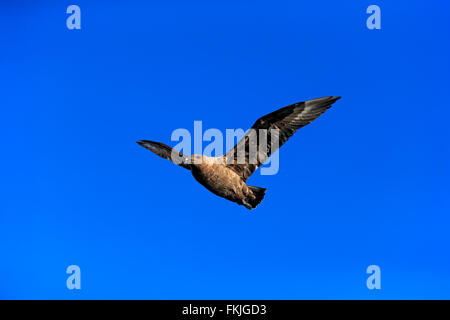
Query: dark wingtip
[145, 143]
[321, 103]
[333, 99]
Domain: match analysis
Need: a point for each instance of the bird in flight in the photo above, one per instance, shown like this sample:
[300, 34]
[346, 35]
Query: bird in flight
[226, 176]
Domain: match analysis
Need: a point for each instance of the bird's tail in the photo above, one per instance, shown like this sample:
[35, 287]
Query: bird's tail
[259, 196]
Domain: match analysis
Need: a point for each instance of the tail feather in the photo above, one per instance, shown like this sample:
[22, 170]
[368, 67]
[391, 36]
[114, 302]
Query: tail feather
[259, 196]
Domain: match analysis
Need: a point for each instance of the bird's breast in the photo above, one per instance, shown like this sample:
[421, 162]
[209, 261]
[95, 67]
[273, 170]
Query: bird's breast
[218, 179]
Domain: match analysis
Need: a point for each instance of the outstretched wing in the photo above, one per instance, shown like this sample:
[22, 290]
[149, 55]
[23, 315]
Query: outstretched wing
[280, 126]
[166, 152]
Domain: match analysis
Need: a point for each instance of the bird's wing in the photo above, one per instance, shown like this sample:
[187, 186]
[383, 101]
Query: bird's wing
[166, 152]
[280, 125]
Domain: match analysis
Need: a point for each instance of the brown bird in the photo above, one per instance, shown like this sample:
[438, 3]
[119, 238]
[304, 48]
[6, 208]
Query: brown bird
[226, 176]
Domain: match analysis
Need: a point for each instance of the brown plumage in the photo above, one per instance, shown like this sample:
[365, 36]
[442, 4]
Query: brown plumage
[226, 176]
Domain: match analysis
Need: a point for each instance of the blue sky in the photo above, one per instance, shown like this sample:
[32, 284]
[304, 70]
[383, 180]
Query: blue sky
[367, 183]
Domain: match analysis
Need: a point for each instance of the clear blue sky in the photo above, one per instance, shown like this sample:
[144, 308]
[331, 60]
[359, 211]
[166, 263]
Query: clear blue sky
[367, 183]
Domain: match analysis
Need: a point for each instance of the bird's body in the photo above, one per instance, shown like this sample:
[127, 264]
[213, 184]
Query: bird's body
[226, 176]
[217, 177]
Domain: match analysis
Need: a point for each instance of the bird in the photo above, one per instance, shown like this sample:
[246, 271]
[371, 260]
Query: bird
[226, 175]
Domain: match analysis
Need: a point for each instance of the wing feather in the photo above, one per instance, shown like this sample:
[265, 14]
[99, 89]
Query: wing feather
[270, 132]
